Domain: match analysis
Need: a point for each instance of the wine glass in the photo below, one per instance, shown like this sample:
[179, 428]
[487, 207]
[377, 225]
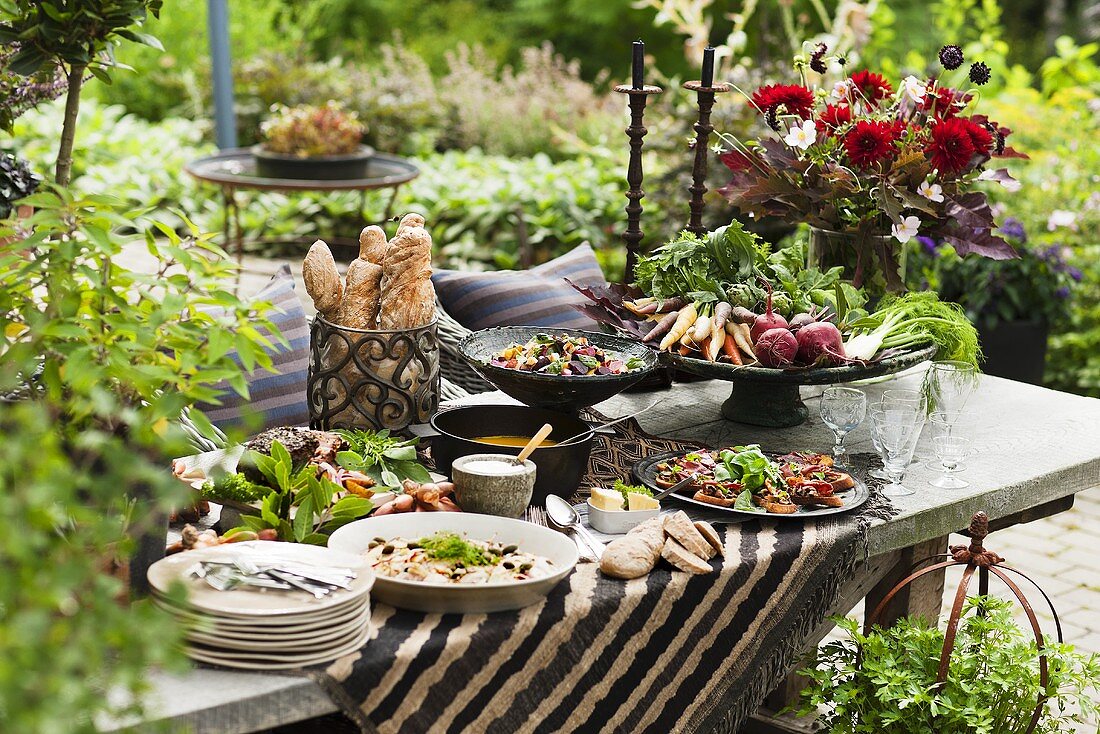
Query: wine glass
[877, 472]
[950, 450]
[894, 428]
[842, 410]
[948, 385]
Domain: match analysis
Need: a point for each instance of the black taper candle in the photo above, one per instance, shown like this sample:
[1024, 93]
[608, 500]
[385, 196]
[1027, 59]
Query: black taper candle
[637, 69]
[707, 77]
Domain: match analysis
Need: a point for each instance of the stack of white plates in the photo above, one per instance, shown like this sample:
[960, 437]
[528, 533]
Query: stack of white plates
[266, 629]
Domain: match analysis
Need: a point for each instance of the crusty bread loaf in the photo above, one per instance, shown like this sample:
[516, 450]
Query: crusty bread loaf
[373, 244]
[359, 309]
[408, 297]
[679, 526]
[408, 222]
[683, 559]
[710, 535]
[636, 553]
[322, 279]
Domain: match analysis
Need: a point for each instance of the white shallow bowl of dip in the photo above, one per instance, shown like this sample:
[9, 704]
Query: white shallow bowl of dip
[456, 598]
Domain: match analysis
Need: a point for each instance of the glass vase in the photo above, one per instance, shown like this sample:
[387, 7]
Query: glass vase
[874, 262]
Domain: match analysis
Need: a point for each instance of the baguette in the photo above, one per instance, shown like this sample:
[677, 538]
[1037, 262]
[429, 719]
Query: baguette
[711, 535]
[683, 559]
[700, 496]
[775, 508]
[842, 482]
[635, 554]
[408, 297]
[359, 309]
[827, 500]
[322, 279]
[678, 525]
[373, 244]
[409, 221]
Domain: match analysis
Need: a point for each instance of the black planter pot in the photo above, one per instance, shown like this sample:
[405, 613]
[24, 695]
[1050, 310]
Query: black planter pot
[315, 168]
[1016, 350]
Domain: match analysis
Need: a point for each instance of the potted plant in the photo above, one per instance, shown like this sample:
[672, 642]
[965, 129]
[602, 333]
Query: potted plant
[1012, 302]
[312, 142]
[884, 681]
[868, 167]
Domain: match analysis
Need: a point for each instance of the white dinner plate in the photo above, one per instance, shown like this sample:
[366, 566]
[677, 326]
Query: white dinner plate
[275, 661]
[462, 599]
[307, 620]
[256, 602]
[300, 642]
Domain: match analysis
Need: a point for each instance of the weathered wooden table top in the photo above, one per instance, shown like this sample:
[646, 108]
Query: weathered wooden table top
[1031, 446]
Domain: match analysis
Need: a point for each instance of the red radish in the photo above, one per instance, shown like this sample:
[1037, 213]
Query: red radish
[776, 348]
[767, 320]
[799, 320]
[820, 343]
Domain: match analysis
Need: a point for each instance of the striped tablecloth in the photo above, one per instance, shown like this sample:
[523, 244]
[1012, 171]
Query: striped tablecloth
[669, 652]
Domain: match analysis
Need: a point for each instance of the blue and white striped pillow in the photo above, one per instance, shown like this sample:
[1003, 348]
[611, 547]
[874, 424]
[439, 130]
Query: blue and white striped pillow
[278, 397]
[538, 297]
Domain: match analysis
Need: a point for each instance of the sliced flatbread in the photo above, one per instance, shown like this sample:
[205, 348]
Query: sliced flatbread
[683, 559]
[711, 536]
[678, 525]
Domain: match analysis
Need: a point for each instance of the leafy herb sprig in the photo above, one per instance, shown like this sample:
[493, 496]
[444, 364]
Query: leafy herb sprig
[316, 510]
[446, 546]
[387, 460]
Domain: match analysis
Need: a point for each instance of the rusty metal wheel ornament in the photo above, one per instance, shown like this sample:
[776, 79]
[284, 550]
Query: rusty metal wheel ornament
[976, 558]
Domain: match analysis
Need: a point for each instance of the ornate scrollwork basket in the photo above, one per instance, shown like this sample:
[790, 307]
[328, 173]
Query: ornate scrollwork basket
[373, 379]
[976, 558]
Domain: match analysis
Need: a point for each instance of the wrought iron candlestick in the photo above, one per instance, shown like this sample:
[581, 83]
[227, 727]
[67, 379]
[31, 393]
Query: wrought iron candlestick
[703, 129]
[636, 131]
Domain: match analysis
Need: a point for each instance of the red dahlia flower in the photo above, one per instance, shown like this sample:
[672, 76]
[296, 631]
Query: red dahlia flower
[872, 86]
[794, 98]
[869, 143]
[980, 137]
[834, 116]
[946, 102]
[951, 146]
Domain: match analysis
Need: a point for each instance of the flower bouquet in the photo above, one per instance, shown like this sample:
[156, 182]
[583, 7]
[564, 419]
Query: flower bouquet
[869, 167]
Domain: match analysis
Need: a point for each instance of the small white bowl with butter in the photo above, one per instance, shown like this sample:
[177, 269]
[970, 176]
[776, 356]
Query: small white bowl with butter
[609, 513]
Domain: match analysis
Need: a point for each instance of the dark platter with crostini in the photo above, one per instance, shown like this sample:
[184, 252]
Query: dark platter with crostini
[746, 481]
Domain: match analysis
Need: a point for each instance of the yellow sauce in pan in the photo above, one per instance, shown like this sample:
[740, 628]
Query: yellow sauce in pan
[519, 441]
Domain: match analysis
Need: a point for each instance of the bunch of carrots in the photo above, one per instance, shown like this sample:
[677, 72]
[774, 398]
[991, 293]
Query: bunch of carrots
[716, 330]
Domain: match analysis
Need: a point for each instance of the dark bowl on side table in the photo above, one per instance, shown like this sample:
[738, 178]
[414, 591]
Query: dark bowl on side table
[315, 168]
[558, 470]
[556, 392]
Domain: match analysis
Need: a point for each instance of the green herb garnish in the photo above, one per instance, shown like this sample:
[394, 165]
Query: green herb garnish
[387, 460]
[444, 546]
[626, 489]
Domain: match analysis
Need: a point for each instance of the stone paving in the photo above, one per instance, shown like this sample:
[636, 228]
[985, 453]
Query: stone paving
[1059, 552]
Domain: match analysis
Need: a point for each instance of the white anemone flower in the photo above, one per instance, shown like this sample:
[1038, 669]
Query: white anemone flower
[914, 89]
[907, 230]
[802, 136]
[840, 90]
[931, 191]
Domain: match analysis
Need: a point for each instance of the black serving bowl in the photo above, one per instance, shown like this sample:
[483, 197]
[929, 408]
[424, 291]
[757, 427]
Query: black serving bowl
[559, 470]
[568, 393]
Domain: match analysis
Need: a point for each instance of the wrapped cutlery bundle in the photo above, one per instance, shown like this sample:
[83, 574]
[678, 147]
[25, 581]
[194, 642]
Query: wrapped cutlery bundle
[267, 606]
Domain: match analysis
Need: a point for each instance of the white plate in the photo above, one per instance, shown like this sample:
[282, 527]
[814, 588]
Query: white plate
[276, 661]
[440, 598]
[295, 642]
[267, 625]
[252, 602]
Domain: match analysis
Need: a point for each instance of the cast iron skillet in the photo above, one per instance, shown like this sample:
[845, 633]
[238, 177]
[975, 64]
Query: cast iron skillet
[558, 470]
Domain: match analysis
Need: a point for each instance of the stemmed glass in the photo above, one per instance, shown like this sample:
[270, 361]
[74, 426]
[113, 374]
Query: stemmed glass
[919, 401]
[948, 385]
[842, 410]
[894, 428]
[950, 450]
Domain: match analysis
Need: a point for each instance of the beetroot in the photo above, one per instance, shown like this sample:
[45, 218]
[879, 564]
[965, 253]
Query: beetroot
[799, 320]
[776, 348]
[767, 320]
[820, 343]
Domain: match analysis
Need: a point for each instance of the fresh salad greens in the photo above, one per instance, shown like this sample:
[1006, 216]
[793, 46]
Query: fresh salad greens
[301, 506]
[236, 487]
[728, 265]
[911, 320]
[747, 465]
[445, 546]
[624, 489]
[744, 503]
[387, 460]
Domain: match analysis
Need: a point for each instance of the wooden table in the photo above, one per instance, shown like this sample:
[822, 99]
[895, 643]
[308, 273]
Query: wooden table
[1034, 449]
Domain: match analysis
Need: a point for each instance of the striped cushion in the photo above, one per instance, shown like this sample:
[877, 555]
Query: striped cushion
[539, 296]
[279, 398]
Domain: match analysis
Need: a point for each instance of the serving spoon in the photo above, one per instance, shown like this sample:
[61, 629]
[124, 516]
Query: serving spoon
[534, 443]
[574, 439]
[563, 514]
